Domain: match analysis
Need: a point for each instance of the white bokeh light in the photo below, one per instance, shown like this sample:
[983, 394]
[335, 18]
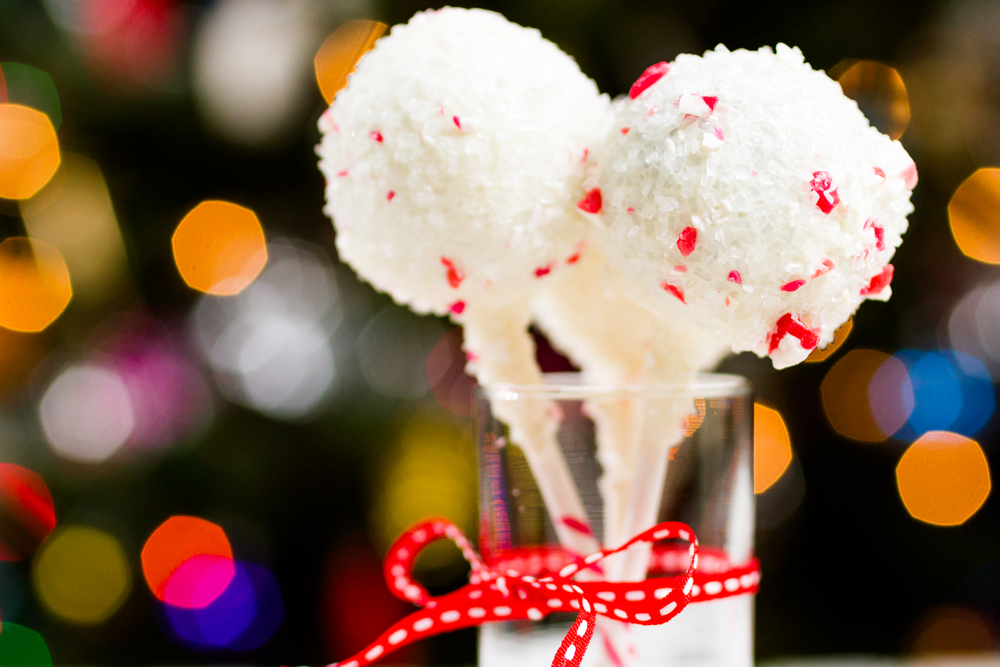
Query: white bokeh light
[269, 347]
[252, 65]
[86, 413]
[392, 352]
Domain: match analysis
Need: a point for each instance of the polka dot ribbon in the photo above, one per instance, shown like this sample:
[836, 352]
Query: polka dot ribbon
[495, 596]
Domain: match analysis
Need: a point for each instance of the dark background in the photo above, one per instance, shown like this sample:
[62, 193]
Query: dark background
[846, 569]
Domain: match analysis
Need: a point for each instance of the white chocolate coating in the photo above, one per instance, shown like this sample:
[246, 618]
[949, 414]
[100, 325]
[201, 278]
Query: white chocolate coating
[454, 159]
[719, 211]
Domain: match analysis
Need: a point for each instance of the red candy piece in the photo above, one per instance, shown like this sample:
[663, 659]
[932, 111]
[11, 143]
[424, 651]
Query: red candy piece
[543, 270]
[652, 74]
[376, 135]
[624, 130]
[680, 268]
[711, 101]
[787, 324]
[735, 277]
[909, 176]
[591, 202]
[879, 172]
[676, 291]
[879, 282]
[342, 173]
[577, 525]
[457, 122]
[457, 308]
[390, 195]
[879, 236]
[455, 277]
[792, 286]
[821, 184]
[687, 240]
[826, 265]
[573, 259]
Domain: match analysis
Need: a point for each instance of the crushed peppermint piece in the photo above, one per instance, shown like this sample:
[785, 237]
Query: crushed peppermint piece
[457, 122]
[676, 291]
[591, 202]
[879, 282]
[624, 130]
[711, 101]
[821, 184]
[543, 270]
[879, 172]
[458, 308]
[342, 173]
[792, 285]
[825, 266]
[390, 195]
[680, 268]
[687, 240]
[574, 258]
[909, 176]
[735, 277]
[652, 74]
[879, 236]
[455, 277]
[376, 135]
[789, 325]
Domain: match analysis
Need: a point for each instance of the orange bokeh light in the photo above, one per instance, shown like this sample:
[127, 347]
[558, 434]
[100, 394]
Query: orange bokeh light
[34, 284]
[974, 216]
[176, 541]
[879, 91]
[29, 151]
[845, 395]
[219, 248]
[341, 51]
[772, 447]
[943, 478]
[839, 337]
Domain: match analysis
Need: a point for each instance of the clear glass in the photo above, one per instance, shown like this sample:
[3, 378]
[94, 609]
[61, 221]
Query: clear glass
[701, 476]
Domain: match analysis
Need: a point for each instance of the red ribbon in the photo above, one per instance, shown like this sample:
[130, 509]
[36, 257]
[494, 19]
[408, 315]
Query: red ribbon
[495, 596]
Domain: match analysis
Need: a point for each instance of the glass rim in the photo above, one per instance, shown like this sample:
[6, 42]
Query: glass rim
[571, 386]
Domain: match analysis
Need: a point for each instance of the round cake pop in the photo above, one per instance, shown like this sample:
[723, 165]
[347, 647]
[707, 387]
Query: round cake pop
[744, 193]
[454, 160]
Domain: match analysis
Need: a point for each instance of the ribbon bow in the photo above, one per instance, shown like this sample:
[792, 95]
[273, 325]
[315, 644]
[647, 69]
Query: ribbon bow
[495, 596]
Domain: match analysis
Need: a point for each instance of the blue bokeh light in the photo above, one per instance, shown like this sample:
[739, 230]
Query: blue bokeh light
[952, 391]
[245, 616]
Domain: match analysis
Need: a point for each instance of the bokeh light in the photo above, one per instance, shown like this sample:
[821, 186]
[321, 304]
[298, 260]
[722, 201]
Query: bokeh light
[974, 216]
[847, 396]
[219, 248]
[19, 354]
[451, 385]
[169, 397]
[27, 510]
[779, 502]
[880, 93]
[839, 337]
[29, 151]
[772, 447]
[23, 647]
[393, 349]
[31, 87]
[341, 52]
[943, 478]
[82, 575]
[86, 412]
[246, 614]
[428, 471]
[187, 562]
[34, 284]
[270, 348]
[74, 214]
[951, 391]
[953, 630]
[252, 66]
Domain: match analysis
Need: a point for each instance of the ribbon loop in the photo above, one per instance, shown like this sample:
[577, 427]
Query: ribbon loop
[512, 595]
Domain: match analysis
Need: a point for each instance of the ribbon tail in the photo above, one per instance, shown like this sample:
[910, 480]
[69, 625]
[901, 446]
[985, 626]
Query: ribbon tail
[574, 644]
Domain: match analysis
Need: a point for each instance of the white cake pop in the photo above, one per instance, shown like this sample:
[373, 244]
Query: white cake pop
[744, 193]
[454, 160]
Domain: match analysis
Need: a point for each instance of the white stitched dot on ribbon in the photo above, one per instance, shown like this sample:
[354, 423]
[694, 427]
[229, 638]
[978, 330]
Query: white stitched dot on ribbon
[688, 585]
[555, 603]
[601, 608]
[412, 591]
[660, 534]
[620, 614]
[374, 652]
[423, 624]
[419, 535]
[501, 611]
[568, 570]
[475, 595]
[477, 612]
[586, 605]
[397, 636]
[661, 593]
[450, 616]
[552, 587]
[535, 615]
[732, 584]
[669, 608]
[352, 663]
[684, 535]
[570, 652]
[607, 596]
[713, 587]
[642, 617]
[575, 604]
[582, 630]
[594, 557]
[635, 596]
